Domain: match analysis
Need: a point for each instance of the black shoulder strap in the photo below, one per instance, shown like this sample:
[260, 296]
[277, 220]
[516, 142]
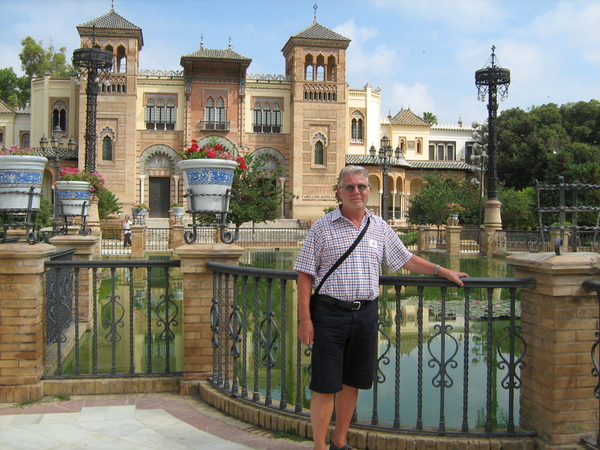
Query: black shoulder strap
[345, 255]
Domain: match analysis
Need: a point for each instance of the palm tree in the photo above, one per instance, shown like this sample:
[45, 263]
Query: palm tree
[430, 118]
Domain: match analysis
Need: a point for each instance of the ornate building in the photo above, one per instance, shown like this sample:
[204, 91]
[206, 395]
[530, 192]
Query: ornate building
[308, 121]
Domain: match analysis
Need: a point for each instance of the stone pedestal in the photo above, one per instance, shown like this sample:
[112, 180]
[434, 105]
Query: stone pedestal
[22, 342]
[559, 320]
[176, 236]
[422, 238]
[453, 240]
[138, 241]
[197, 303]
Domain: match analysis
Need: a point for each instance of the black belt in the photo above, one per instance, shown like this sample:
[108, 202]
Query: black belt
[354, 306]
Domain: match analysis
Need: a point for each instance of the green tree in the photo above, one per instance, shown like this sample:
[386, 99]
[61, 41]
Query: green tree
[256, 196]
[430, 118]
[531, 144]
[36, 61]
[432, 199]
[518, 208]
[13, 88]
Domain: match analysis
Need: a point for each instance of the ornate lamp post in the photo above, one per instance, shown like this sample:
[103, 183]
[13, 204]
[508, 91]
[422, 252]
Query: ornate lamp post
[93, 60]
[384, 161]
[56, 144]
[479, 161]
[492, 80]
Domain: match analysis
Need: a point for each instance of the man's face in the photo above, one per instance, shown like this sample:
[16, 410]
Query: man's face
[355, 198]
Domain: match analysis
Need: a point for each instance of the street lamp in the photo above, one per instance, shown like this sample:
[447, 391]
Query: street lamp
[56, 143]
[492, 80]
[479, 161]
[93, 60]
[383, 160]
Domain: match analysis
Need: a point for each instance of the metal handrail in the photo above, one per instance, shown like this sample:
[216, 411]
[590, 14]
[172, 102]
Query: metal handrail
[254, 346]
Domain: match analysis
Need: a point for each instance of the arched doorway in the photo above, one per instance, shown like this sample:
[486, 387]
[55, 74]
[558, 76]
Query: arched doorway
[156, 181]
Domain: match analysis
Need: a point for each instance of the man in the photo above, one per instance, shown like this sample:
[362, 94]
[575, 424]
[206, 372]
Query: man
[341, 324]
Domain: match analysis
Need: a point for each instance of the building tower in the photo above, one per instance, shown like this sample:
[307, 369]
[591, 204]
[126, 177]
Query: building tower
[315, 62]
[117, 150]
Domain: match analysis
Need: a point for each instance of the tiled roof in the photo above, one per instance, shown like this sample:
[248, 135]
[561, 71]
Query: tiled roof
[407, 117]
[373, 160]
[4, 108]
[440, 165]
[210, 53]
[368, 160]
[318, 31]
[110, 20]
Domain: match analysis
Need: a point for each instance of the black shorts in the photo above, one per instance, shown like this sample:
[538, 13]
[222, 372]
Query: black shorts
[345, 347]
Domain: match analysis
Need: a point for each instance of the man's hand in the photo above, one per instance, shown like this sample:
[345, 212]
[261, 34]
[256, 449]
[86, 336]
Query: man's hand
[452, 275]
[306, 332]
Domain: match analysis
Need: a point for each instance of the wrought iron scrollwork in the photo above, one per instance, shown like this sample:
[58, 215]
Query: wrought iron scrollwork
[269, 334]
[200, 218]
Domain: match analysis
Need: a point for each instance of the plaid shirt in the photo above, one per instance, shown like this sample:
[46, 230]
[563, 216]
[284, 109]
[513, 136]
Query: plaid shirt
[357, 278]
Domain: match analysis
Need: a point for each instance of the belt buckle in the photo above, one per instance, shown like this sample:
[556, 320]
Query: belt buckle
[357, 304]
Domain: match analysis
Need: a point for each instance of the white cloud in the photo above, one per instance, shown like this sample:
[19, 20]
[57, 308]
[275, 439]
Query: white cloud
[415, 97]
[364, 59]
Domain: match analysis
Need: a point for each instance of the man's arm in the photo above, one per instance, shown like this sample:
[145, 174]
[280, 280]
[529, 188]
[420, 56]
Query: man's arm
[419, 265]
[306, 331]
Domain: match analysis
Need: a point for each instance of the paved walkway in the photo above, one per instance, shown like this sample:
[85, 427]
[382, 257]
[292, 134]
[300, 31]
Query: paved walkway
[130, 422]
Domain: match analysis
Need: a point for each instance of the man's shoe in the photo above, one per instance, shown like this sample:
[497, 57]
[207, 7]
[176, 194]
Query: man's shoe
[345, 447]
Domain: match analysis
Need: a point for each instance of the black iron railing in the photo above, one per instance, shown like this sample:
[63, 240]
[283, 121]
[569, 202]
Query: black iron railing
[157, 239]
[123, 304]
[258, 357]
[59, 307]
[524, 241]
[470, 240]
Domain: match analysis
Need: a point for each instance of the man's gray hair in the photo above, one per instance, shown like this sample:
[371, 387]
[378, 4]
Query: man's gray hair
[353, 170]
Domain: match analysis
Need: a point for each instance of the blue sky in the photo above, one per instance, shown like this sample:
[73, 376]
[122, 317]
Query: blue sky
[423, 54]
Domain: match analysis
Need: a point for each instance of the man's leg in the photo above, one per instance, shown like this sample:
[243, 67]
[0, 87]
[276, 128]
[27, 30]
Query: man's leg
[345, 404]
[321, 409]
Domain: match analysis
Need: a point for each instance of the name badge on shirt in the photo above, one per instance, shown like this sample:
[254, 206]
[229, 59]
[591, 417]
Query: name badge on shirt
[372, 243]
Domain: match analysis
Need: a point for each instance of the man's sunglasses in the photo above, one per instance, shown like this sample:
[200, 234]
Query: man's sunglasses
[351, 187]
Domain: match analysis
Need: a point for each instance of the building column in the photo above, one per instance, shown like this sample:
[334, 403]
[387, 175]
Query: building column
[558, 320]
[22, 311]
[176, 183]
[142, 187]
[453, 239]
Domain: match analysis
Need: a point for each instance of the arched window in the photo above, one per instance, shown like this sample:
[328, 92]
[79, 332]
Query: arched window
[320, 68]
[319, 153]
[121, 66]
[331, 69]
[160, 114]
[59, 116]
[309, 68]
[170, 114]
[356, 128]
[266, 116]
[107, 149]
[209, 110]
[276, 118]
[221, 114]
[150, 114]
[257, 118]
